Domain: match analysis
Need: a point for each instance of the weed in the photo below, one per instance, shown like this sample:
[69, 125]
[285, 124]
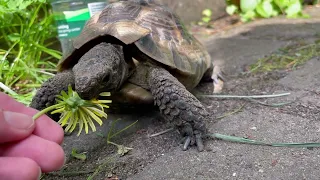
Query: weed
[26, 32]
[252, 9]
[287, 58]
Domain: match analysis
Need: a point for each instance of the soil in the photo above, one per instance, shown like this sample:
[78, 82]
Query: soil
[159, 157]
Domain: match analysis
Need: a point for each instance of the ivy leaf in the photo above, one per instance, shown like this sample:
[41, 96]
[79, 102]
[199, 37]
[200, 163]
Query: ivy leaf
[294, 9]
[206, 19]
[282, 3]
[207, 12]
[249, 15]
[231, 9]
[265, 9]
[248, 5]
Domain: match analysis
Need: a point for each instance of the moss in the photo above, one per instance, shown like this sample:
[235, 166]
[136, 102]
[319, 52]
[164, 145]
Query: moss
[287, 58]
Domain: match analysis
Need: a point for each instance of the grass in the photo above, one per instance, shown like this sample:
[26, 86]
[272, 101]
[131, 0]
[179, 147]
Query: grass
[27, 32]
[288, 58]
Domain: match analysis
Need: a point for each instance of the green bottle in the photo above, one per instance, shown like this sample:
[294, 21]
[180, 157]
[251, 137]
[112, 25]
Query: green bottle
[71, 16]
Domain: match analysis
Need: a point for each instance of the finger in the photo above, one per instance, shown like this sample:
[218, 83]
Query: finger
[17, 168]
[45, 127]
[47, 154]
[49, 129]
[14, 126]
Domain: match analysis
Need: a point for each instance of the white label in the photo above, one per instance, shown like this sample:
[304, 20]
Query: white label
[96, 7]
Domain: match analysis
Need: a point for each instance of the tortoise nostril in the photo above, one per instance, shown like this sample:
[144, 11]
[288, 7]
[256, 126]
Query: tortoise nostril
[106, 78]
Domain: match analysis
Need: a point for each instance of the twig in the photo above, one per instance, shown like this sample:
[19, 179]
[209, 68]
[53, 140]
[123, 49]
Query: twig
[97, 170]
[162, 132]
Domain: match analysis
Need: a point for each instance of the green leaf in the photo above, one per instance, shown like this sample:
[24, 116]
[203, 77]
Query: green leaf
[255, 142]
[76, 155]
[248, 5]
[265, 9]
[122, 150]
[245, 17]
[206, 19]
[285, 3]
[14, 37]
[294, 9]
[232, 9]
[207, 12]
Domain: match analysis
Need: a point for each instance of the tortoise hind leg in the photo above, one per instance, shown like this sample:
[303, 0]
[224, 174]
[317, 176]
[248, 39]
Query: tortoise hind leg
[46, 95]
[179, 106]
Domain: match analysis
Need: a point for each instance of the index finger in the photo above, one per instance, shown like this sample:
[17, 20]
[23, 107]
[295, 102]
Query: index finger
[45, 126]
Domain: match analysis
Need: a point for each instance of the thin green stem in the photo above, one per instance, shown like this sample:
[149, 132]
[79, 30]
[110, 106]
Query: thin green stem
[7, 89]
[115, 134]
[241, 97]
[256, 142]
[50, 108]
[230, 113]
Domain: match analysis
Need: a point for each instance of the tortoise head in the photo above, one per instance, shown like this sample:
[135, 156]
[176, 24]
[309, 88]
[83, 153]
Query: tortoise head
[101, 69]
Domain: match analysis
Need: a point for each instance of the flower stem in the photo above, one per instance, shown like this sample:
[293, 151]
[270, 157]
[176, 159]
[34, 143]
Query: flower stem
[50, 108]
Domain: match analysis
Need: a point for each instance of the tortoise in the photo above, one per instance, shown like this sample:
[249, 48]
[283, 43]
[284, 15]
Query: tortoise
[140, 51]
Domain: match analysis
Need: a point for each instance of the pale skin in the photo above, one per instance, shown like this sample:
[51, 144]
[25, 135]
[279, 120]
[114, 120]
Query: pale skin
[27, 147]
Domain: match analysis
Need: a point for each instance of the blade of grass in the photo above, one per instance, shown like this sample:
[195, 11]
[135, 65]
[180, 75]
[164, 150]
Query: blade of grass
[256, 142]
[241, 97]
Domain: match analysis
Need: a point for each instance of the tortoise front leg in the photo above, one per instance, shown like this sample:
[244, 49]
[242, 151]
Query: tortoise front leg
[179, 106]
[46, 95]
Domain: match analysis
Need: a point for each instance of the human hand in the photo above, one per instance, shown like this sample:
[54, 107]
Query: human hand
[27, 147]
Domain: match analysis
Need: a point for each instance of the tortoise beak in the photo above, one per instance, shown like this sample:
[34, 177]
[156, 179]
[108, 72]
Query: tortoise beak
[87, 89]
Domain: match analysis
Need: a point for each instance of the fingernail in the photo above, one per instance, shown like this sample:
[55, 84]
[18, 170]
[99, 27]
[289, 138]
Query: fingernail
[18, 120]
[40, 174]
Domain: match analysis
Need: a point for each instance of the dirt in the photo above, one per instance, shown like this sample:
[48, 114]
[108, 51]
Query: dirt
[160, 157]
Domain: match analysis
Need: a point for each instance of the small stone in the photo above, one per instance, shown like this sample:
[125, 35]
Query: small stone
[261, 170]
[253, 128]
[234, 174]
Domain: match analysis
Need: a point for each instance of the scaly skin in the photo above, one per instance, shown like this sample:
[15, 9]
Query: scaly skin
[179, 106]
[46, 95]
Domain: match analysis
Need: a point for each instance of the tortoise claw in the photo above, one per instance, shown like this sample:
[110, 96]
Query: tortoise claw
[195, 138]
[186, 143]
[199, 141]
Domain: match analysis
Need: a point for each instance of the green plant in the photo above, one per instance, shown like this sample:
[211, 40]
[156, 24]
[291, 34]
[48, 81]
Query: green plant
[251, 9]
[26, 32]
[206, 17]
[287, 58]
[76, 111]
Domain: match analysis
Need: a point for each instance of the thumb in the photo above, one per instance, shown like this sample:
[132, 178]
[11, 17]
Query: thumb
[14, 126]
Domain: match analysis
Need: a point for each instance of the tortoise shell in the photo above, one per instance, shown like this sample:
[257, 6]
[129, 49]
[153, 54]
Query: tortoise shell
[154, 29]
